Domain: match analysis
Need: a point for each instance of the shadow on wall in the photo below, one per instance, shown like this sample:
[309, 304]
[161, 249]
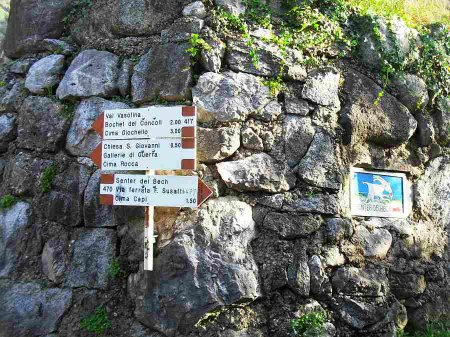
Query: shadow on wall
[4, 14]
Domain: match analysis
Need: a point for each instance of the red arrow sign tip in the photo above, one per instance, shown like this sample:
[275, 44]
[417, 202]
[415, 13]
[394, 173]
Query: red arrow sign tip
[204, 192]
[96, 155]
[99, 124]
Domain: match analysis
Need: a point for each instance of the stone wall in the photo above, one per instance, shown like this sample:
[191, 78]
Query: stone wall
[277, 239]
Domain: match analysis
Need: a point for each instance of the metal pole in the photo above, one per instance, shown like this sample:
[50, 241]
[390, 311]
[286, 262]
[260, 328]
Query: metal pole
[149, 237]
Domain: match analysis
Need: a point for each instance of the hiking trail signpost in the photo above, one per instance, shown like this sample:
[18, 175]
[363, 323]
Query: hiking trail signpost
[149, 139]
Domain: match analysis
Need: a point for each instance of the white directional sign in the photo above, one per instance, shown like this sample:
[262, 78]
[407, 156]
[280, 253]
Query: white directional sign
[147, 123]
[146, 154]
[152, 190]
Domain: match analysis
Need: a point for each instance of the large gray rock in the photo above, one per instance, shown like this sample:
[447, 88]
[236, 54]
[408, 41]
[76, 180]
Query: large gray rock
[92, 253]
[22, 174]
[259, 172]
[182, 29]
[41, 125]
[298, 134]
[21, 66]
[164, 72]
[30, 309]
[13, 222]
[7, 130]
[11, 98]
[270, 59]
[300, 201]
[374, 243]
[64, 203]
[215, 145]
[411, 91]
[235, 7]
[211, 59]
[45, 74]
[442, 116]
[298, 275]
[319, 282]
[395, 37]
[124, 79]
[251, 140]
[320, 167]
[432, 191]
[209, 264]
[54, 258]
[290, 225]
[359, 314]
[229, 96]
[388, 123]
[95, 214]
[81, 139]
[140, 17]
[32, 21]
[357, 282]
[91, 73]
[322, 86]
[408, 285]
[196, 9]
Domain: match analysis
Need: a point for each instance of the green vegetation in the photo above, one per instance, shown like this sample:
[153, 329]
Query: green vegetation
[415, 13]
[47, 178]
[308, 325]
[275, 85]
[7, 201]
[432, 329]
[197, 44]
[98, 322]
[323, 30]
[114, 269]
[3, 84]
[79, 10]
[67, 111]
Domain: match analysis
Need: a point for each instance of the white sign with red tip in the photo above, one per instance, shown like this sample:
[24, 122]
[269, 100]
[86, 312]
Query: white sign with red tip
[146, 154]
[153, 190]
[147, 123]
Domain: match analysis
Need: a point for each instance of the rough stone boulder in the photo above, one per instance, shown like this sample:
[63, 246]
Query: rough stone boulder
[251, 140]
[229, 96]
[41, 124]
[30, 309]
[442, 117]
[215, 145]
[303, 202]
[64, 203]
[290, 225]
[207, 265]
[411, 91]
[93, 251]
[259, 172]
[81, 139]
[13, 222]
[12, 96]
[320, 167]
[374, 243]
[95, 214]
[298, 134]
[197, 9]
[32, 21]
[91, 73]
[356, 282]
[235, 7]
[270, 59]
[164, 72]
[138, 17]
[396, 37]
[54, 258]
[388, 123]
[322, 87]
[432, 191]
[7, 130]
[45, 74]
